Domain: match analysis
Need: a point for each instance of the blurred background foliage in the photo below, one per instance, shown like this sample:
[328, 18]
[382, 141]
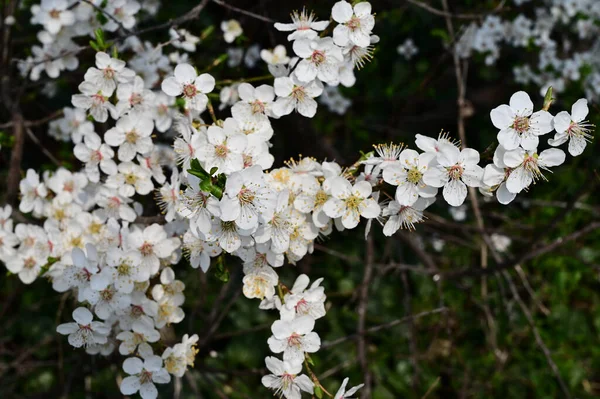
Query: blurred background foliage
[481, 347]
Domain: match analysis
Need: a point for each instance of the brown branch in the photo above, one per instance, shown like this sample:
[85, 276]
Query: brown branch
[414, 348]
[536, 334]
[14, 171]
[363, 299]
[385, 326]
[448, 14]
[242, 11]
[190, 15]
[47, 153]
[108, 15]
[528, 255]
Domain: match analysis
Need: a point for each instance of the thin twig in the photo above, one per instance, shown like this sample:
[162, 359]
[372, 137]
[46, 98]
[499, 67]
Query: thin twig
[47, 153]
[14, 171]
[108, 15]
[363, 299]
[242, 11]
[536, 334]
[385, 326]
[448, 14]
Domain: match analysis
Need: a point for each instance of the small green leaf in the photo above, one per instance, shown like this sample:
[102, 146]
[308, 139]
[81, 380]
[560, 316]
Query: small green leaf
[206, 185]
[213, 170]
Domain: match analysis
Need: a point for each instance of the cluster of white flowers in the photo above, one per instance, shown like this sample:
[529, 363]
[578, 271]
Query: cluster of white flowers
[551, 29]
[223, 197]
[65, 20]
[517, 163]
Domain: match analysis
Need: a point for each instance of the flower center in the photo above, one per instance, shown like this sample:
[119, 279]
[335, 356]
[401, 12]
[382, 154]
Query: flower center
[135, 99]
[221, 150]
[145, 376]
[353, 202]
[190, 91]
[521, 124]
[354, 23]
[131, 136]
[318, 57]
[258, 107]
[130, 178]
[55, 14]
[124, 269]
[321, 198]
[107, 294]
[295, 340]
[29, 263]
[147, 249]
[414, 176]
[298, 93]
[455, 172]
[109, 73]
[246, 196]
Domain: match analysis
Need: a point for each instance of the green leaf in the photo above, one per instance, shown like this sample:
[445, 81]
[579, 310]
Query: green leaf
[94, 45]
